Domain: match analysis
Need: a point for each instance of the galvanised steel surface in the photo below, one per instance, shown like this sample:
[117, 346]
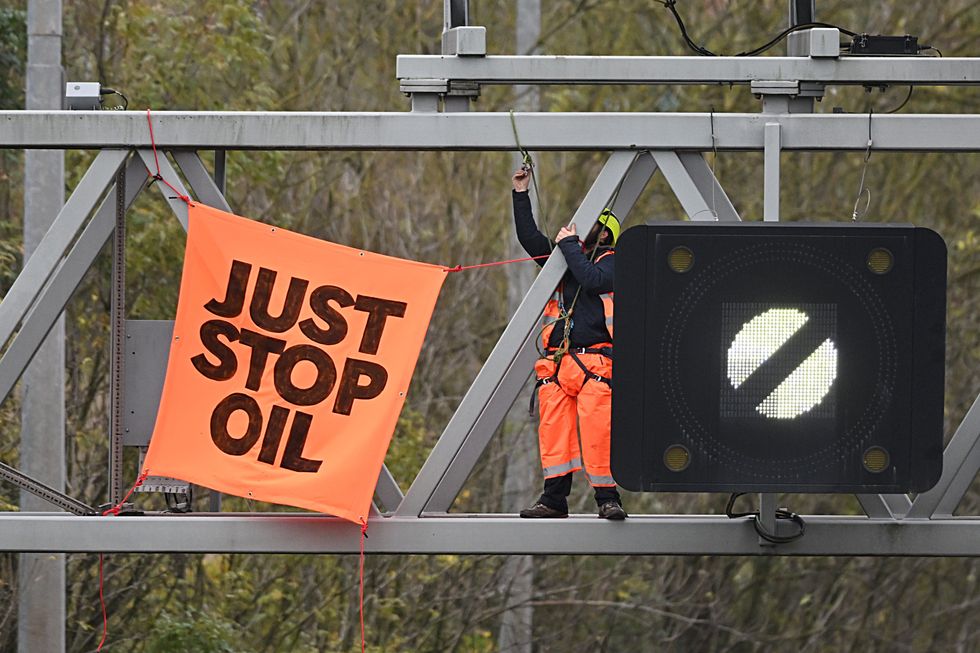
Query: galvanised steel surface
[56, 241]
[551, 69]
[422, 525]
[674, 141]
[473, 534]
[484, 131]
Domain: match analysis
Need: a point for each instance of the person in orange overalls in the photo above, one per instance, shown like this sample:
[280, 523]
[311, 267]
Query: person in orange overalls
[575, 372]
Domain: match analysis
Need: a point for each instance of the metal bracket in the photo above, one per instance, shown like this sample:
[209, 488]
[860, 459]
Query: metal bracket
[426, 94]
[39, 489]
[787, 96]
[465, 41]
[412, 86]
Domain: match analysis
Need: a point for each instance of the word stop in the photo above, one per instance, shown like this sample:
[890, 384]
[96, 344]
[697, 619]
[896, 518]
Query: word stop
[359, 379]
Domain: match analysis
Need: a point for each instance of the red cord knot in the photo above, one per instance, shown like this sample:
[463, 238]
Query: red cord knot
[116, 509]
[364, 527]
[458, 268]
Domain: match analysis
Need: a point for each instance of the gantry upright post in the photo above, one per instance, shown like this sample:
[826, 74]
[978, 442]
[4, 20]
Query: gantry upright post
[41, 577]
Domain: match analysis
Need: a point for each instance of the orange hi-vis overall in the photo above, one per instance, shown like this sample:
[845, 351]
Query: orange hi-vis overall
[578, 386]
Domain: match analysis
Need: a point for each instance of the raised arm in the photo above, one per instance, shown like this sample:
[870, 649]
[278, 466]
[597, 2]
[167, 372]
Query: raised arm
[532, 240]
[594, 277]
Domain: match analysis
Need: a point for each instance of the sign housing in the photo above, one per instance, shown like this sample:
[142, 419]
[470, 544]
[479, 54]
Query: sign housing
[767, 358]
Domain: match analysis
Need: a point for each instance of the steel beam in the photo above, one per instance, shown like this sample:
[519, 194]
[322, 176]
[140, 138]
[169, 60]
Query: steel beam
[480, 534]
[874, 506]
[221, 170]
[770, 203]
[551, 69]
[887, 506]
[500, 361]
[961, 461]
[898, 504]
[475, 441]
[709, 187]
[680, 181]
[482, 131]
[387, 490]
[633, 184]
[43, 491]
[45, 259]
[55, 295]
[205, 187]
[117, 338]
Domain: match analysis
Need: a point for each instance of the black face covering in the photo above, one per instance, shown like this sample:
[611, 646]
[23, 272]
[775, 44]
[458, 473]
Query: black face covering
[593, 237]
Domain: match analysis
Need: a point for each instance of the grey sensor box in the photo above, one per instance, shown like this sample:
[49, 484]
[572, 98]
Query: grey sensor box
[83, 96]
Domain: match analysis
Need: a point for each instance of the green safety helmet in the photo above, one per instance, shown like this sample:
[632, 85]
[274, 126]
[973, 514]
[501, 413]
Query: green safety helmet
[609, 220]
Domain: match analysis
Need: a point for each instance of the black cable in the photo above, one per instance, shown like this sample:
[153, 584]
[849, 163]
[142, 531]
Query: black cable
[786, 32]
[109, 91]
[904, 102]
[781, 513]
[671, 5]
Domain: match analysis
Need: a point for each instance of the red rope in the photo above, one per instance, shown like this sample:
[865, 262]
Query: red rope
[118, 507]
[105, 618]
[158, 176]
[460, 268]
[361, 592]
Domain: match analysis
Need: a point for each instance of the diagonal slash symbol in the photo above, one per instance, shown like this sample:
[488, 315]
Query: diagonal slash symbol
[781, 363]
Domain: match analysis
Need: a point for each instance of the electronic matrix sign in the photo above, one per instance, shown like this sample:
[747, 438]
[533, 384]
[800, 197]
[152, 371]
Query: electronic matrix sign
[756, 357]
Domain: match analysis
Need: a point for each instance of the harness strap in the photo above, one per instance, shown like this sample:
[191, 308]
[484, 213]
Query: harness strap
[603, 351]
[537, 384]
[589, 375]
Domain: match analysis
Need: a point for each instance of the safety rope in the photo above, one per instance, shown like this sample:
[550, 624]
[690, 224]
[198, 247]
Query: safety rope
[157, 176]
[114, 510]
[105, 616]
[364, 535]
[862, 190]
[528, 164]
[460, 268]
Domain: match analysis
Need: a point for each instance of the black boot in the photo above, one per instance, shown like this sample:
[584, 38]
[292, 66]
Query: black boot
[610, 503]
[612, 511]
[553, 503]
[541, 511]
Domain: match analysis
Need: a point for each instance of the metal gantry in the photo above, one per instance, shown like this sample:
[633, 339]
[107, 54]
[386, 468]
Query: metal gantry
[640, 145]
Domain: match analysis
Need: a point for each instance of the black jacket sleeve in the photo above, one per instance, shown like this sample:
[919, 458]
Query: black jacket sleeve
[593, 277]
[533, 241]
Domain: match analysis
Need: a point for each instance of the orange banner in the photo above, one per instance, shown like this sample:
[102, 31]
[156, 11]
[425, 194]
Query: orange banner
[289, 364]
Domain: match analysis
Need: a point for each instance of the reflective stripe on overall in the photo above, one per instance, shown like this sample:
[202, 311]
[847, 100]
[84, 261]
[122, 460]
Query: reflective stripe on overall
[565, 392]
[564, 395]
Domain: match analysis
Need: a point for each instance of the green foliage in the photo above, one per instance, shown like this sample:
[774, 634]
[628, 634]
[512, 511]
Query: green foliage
[193, 631]
[13, 57]
[451, 208]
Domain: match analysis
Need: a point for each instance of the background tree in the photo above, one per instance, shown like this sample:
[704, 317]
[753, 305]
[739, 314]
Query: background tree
[453, 208]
